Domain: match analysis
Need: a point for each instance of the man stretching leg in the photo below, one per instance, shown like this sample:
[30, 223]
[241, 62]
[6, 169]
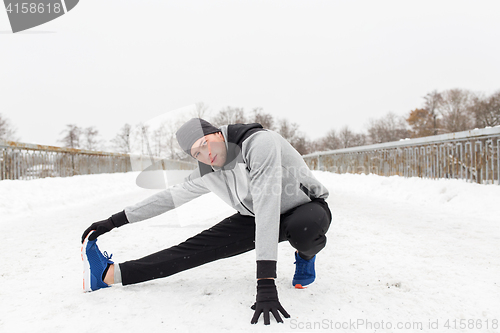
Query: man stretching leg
[255, 171]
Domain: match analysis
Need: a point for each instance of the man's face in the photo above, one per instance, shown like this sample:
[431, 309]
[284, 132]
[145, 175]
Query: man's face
[210, 149]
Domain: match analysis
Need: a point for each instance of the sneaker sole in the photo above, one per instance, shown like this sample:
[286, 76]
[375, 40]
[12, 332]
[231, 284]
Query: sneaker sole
[87, 285]
[302, 283]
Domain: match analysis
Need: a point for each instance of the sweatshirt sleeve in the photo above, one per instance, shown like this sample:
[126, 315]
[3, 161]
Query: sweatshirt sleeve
[166, 200]
[263, 158]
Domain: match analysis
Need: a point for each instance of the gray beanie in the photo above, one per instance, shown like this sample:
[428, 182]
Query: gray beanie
[192, 131]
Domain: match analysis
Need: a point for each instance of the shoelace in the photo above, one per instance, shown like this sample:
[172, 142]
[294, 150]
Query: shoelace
[106, 255]
[301, 267]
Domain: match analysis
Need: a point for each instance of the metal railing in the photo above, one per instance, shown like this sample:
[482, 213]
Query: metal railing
[470, 155]
[30, 161]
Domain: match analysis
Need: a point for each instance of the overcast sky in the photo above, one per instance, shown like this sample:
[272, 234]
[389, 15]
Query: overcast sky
[321, 64]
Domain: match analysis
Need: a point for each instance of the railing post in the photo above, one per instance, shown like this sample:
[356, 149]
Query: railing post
[498, 162]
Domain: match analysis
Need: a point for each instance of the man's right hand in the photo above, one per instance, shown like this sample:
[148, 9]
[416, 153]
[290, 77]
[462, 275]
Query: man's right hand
[267, 301]
[104, 226]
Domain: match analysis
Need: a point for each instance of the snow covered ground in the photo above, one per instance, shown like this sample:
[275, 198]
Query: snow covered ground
[402, 254]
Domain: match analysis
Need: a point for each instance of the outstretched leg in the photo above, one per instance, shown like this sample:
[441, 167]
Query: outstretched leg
[232, 236]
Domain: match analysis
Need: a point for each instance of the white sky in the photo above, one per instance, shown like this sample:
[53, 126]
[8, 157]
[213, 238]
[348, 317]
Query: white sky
[322, 64]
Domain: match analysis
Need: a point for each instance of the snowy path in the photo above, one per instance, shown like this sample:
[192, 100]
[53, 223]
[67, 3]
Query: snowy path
[401, 251]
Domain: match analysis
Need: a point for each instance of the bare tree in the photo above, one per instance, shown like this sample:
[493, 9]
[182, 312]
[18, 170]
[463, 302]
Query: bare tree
[91, 139]
[229, 115]
[360, 139]
[301, 144]
[455, 109]
[141, 142]
[290, 132]
[7, 131]
[263, 118]
[121, 142]
[330, 141]
[201, 110]
[315, 145]
[422, 123]
[432, 102]
[172, 148]
[347, 137]
[71, 137]
[287, 129]
[388, 128]
[486, 110]
[160, 137]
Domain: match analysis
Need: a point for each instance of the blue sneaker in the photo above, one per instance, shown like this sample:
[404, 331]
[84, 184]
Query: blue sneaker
[304, 272]
[94, 264]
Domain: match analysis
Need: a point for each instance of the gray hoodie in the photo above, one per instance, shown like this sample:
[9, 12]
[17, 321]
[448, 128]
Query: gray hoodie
[264, 177]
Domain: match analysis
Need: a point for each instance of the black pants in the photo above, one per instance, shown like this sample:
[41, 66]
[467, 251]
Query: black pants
[303, 226]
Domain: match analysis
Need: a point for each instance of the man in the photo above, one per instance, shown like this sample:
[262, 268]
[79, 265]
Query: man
[255, 171]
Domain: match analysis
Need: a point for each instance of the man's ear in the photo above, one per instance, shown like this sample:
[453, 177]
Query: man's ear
[219, 134]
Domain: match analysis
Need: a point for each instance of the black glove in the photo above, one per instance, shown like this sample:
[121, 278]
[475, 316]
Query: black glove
[267, 301]
[104, 226]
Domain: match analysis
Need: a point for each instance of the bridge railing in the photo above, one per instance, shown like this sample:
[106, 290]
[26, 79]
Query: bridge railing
[470, 155]
[30, 161]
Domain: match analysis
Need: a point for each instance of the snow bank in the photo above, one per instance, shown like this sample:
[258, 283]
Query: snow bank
[448, 194]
